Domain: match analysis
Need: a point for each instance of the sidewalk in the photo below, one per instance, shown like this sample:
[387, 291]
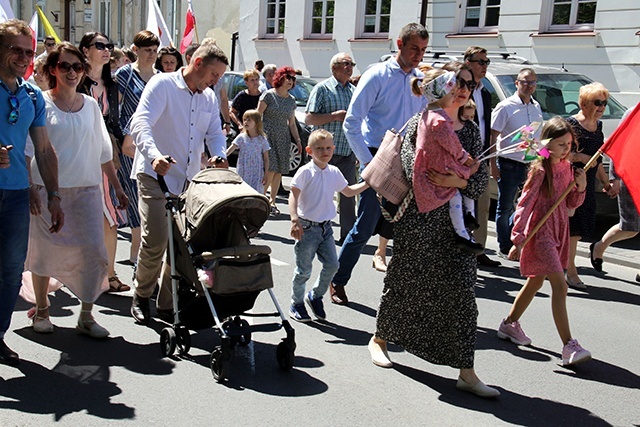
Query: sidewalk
[614, 254]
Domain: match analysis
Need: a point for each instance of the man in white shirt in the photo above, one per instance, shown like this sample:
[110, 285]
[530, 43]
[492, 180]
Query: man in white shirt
[177, 114]
[510, 170]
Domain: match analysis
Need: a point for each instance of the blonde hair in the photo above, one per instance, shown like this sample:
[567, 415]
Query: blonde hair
[250, 73]
[317, 135]
[592, 91]
[257, 119]
[470, 104]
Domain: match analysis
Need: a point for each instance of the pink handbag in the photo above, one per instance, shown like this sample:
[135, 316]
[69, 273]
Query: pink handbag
[384, 173]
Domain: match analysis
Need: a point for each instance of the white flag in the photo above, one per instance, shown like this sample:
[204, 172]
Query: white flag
[6, 12]
[156, 24]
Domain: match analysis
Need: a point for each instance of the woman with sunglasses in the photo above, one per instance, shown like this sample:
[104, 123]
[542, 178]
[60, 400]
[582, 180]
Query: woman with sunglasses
[277, 107]
[76, 256]
[593, 99]
[131, 80]
[99, 84]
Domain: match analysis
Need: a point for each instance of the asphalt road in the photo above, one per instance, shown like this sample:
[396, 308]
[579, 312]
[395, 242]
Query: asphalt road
[68, 379]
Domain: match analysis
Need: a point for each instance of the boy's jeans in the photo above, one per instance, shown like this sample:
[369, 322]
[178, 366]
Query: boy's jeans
[317, 239]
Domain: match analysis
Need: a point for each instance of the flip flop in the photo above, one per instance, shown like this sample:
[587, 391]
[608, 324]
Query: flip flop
[596, 263]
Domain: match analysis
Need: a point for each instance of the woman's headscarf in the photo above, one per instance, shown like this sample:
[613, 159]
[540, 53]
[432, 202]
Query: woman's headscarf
[439, 87]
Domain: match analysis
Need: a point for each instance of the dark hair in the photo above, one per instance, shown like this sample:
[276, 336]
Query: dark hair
[130, 54]
[54, 57]
[258, 65]
[473, 50]
[146, 38]
[413, 29]
[14, 27]
[49, 38]
[167, 50]
[85, 43]
[281, 74]
[191, 49]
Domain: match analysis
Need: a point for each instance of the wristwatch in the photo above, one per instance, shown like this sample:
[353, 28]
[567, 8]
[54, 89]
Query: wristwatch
[52, 194]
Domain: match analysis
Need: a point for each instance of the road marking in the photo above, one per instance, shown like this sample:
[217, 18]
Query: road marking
[278, 263]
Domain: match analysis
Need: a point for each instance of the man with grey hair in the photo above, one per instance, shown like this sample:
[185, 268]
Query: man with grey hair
[178, 113]
[326, 109]
[267, 77]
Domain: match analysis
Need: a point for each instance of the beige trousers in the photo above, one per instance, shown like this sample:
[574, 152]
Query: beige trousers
[154, 239]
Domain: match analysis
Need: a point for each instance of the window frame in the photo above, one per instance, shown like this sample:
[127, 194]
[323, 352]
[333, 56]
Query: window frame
[104, 17]
[572, 26]
[481, 28]
[322, 35]
[361, 21]
[264, 4]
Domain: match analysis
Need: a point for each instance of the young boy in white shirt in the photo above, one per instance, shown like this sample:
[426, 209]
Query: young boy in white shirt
[311, 208]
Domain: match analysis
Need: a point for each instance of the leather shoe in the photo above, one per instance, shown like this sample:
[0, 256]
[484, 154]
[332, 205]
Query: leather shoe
[8, 356]
[140, 309]
[596, 263]
[485, 261]
[165, 315]
[637, 277]
[338, 295]
[479, 388]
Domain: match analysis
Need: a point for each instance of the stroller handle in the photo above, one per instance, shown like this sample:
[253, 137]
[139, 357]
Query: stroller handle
[161, 181]
[236, 251]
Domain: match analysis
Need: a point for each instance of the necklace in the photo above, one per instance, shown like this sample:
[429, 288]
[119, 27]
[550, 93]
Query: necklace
[67, 105]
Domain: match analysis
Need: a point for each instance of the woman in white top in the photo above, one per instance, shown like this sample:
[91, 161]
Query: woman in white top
[76, 256]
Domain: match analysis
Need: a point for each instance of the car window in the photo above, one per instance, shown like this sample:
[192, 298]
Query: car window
[558, 94]
[494, 96]
[301, 91]
[237, 85]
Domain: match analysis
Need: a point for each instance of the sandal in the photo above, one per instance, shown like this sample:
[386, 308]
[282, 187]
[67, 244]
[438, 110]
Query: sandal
[115, 285]
[275, 210]
[90, 327]
[41, 325]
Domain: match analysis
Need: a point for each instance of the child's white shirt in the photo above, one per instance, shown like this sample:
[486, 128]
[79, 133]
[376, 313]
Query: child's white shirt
[317, 188]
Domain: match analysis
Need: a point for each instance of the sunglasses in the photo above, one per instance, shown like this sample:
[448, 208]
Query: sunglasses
[16, 50]
[103, 46]
[599, 103]
[65, 67]
[347, 63]
[528, 83]
[470, 84]
[292, 78]
[14, 114]
[481, 62]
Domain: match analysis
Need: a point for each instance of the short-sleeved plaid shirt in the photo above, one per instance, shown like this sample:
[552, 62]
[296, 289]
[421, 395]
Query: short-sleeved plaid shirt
[329, 96]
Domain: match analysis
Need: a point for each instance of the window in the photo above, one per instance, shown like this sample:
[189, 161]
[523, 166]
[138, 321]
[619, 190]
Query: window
[41, 32]
[275, 11]
[481, 15]
[321, 18]
[376, 18]
[572, 15]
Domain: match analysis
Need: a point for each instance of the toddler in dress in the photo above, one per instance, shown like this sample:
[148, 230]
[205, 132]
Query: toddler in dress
[253, 158]
[438, 148]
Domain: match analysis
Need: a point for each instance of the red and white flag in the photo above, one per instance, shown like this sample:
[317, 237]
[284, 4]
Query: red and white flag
[33, 24]
[623, 147]
[189, 29]
[157, 25]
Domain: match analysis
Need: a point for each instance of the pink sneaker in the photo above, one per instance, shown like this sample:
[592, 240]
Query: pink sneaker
[512, 331]
[573, 353]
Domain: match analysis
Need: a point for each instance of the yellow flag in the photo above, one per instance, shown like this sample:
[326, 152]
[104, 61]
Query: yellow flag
[48, 29]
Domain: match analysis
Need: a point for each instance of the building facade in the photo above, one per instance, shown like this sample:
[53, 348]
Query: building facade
[599, 38]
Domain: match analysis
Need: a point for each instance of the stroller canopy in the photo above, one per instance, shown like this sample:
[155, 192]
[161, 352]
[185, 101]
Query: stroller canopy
[215, 194]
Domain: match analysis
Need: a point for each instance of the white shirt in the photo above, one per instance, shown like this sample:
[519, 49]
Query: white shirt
[81, 142]
[511, 114]
[173, 121]
[477, 98]
[317, 187]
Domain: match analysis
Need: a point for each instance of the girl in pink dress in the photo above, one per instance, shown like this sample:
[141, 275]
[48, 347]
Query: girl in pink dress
[547, 253]
[438, 149]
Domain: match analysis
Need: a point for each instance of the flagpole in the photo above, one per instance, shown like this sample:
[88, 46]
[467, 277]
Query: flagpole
[195, 22]
[563, 196]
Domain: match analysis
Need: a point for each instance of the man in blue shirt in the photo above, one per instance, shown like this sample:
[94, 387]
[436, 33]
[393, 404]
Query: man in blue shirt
[326, 109]
[21, 111]
[382, 100]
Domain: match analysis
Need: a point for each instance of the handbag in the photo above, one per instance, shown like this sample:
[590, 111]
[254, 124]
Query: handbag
[384, 173]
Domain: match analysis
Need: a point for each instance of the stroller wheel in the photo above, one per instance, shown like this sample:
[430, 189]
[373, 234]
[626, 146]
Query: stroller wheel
[183, 340]
[168, 342]
[218, 365]
[243, 339]
[285, 355]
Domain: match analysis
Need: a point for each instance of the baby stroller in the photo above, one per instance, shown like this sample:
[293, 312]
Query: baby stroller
[216, 274]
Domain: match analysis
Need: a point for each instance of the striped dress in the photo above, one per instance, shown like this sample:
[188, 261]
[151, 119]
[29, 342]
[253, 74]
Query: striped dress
[130, 85]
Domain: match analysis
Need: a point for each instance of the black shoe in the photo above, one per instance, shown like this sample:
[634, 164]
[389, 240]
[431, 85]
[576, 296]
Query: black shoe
[469, 245]
[471, 222]
[485, 261]
[637, 277]
[140, 309]
[596, 263]
[8, 356]
[165, 315]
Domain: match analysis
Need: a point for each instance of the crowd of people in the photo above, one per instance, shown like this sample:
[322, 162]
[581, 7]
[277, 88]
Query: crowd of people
[96, 125]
